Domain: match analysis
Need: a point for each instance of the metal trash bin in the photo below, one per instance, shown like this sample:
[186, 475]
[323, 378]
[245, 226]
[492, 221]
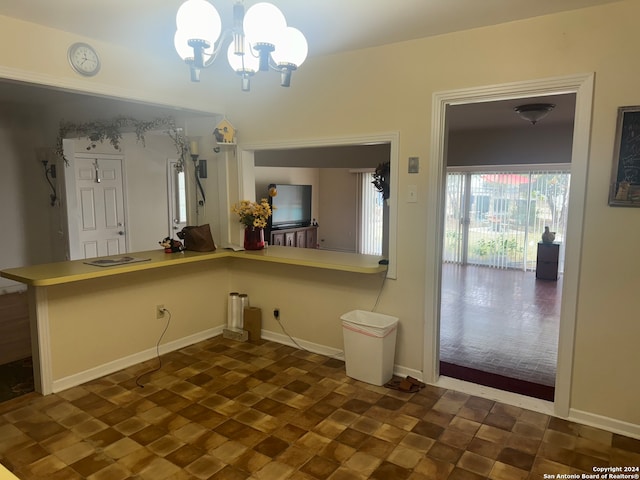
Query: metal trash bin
[369, 345]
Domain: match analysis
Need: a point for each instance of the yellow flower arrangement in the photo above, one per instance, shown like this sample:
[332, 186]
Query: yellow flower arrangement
[253, 214]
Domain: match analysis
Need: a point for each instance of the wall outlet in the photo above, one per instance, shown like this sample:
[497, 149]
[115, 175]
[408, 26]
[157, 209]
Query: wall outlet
[276, 313]
[159, 311]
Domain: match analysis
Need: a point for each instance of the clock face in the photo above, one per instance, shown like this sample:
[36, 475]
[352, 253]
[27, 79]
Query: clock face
[84, 59]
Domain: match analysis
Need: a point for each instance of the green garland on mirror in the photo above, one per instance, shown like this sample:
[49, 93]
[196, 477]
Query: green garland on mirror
[111, 130]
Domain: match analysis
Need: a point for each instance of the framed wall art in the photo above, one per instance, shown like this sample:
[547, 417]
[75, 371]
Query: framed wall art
[624, 190]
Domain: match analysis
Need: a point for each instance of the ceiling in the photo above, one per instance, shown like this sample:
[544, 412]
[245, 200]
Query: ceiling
[501, 114]
[331, 26]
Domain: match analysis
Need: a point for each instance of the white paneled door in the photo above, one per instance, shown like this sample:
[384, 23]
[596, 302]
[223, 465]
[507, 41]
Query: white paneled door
[100, 207]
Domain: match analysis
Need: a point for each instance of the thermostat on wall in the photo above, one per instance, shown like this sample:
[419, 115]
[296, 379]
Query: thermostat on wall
[414, 164]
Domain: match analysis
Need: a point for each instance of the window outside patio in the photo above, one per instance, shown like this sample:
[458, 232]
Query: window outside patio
[496, 218]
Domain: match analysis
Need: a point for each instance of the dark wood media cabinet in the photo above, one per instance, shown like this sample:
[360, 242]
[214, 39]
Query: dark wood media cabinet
[301, 237]
[547, 261]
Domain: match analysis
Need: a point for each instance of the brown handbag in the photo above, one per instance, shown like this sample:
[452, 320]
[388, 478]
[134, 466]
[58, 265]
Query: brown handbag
[197, 239]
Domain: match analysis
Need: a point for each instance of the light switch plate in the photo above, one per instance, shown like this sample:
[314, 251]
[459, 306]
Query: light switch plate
[412, 193]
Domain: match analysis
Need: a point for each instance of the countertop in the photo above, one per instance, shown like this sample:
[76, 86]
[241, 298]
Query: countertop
[77, 270]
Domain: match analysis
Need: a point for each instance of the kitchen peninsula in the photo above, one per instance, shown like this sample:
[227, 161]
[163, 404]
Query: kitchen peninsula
[89, 321]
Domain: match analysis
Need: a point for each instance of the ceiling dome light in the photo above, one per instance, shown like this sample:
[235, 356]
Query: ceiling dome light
[534, 112]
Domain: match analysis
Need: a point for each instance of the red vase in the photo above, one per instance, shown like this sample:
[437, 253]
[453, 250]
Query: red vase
[253, 238]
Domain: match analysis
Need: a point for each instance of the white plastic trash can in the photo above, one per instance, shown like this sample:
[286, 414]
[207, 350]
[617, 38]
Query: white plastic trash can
[369, 345]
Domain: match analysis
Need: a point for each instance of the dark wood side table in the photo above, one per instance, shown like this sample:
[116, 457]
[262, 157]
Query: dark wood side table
[547, 261]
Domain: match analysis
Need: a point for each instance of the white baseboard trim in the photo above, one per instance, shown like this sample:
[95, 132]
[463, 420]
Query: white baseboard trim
[401, 371]
[125, 362]
[606, 423]
[579, 416]
[305, 345]
[541, 406]
[398, 370]
[514, 399]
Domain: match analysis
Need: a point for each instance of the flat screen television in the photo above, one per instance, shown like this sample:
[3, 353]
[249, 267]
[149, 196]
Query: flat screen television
[291, 206]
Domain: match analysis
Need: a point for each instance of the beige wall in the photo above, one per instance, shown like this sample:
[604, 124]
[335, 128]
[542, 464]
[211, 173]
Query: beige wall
[42, 58]
[305, 314]
[542, 144]
[378, 90]
[25, 210]
[146, 183]
[337, 216]
[103, 320]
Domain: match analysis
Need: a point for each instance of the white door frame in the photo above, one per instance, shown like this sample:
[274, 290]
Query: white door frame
[173, 204]
[582, 85]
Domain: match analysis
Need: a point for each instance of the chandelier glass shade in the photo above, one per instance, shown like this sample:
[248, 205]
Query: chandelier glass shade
[244, 63]
[262, 23]
[261, 40]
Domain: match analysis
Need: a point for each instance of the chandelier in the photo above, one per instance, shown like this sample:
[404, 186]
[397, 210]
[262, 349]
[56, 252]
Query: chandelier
[261, 40]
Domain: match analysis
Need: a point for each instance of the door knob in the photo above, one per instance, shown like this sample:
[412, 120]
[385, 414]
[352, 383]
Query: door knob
[121, 232]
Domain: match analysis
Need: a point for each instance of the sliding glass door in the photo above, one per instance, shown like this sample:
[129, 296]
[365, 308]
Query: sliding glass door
[495, 217]
[371, 214]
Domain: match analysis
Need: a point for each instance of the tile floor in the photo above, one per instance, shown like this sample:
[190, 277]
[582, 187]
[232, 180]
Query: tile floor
[500, 321]
[227, 410]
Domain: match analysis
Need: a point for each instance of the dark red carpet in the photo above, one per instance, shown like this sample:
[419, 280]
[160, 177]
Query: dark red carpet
[536, 390]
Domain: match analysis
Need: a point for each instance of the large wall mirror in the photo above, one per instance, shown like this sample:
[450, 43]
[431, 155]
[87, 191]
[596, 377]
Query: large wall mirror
[29, 121]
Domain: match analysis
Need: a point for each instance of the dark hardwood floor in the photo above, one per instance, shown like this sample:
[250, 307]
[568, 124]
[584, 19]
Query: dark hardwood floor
[16, 370]
[501, 322]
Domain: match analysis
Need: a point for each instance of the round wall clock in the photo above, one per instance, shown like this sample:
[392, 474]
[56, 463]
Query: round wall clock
[84, 59]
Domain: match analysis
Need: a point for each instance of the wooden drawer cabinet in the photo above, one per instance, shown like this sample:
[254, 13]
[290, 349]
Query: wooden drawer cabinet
[290, 239]
[547, 261]
[303, 237]
[312, 237]
[277, 238]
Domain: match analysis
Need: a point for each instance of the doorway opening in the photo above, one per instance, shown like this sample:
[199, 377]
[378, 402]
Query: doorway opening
[499, 319]
[582, 87]
[499, 323]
